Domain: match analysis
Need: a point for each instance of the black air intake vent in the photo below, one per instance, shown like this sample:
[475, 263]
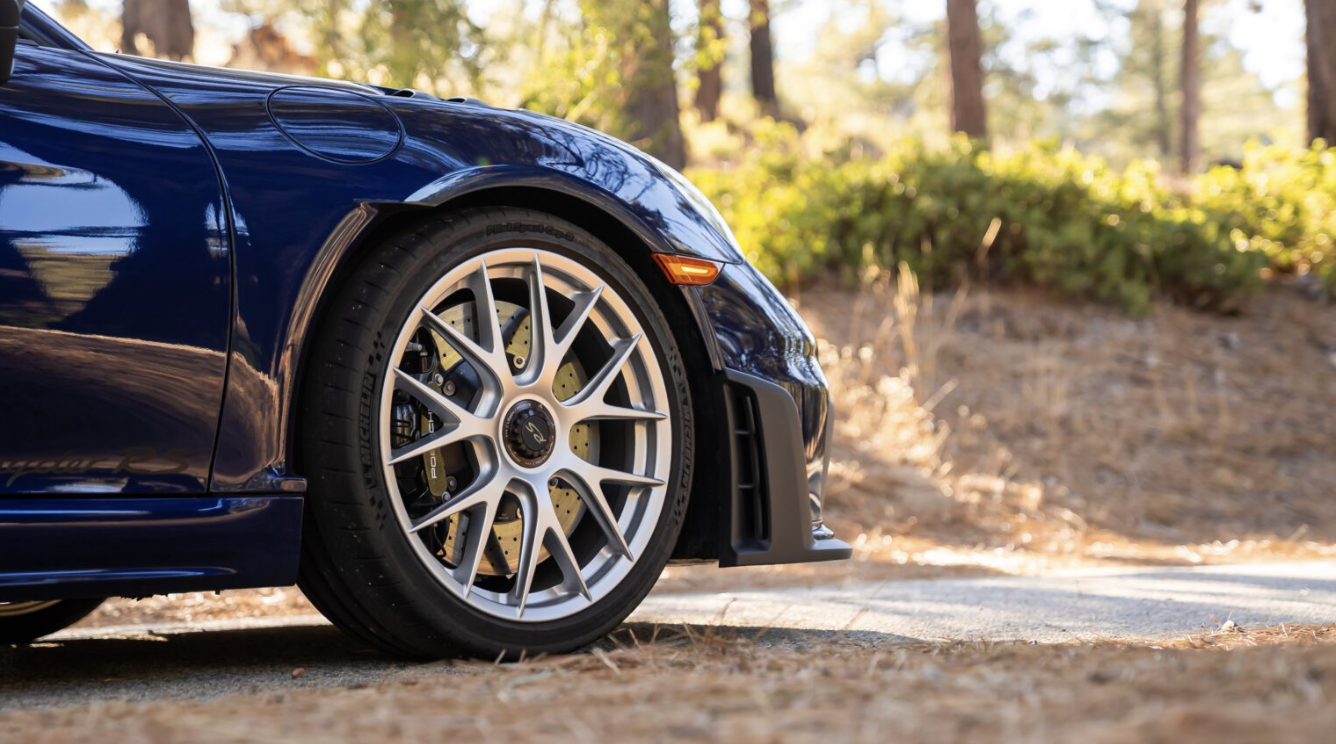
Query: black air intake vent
[751, 517]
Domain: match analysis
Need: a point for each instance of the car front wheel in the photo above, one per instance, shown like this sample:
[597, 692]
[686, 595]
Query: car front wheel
[497, 432]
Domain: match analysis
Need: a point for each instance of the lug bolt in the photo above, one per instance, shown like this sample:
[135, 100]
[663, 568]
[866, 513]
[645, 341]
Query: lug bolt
[448, 388]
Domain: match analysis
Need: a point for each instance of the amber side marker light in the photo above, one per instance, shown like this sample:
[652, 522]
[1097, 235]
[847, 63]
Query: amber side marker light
[693, 272]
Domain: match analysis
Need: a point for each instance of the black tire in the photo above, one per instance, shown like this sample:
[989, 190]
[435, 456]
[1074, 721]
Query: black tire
[358, 566]
[45, 620]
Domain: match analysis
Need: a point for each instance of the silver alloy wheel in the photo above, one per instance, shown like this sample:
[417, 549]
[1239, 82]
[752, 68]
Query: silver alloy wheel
[16, 609]
[520, 434]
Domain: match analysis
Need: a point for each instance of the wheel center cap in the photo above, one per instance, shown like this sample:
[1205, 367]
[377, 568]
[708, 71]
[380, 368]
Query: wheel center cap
[530, 433]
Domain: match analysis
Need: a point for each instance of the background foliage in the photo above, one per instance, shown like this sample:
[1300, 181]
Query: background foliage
[1043, 215]
[1084, 182]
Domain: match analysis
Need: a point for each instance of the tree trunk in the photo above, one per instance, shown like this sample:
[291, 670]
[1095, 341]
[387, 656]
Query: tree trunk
[710, 79]
[1190, 78]
[763, 59]
[1321, 36]
[652, 105]
[266, 48]
[165, 23]
[1159, 66]
[964, 44]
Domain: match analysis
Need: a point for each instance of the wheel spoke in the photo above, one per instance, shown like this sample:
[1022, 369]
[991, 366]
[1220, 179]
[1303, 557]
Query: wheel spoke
[599, 411]
[618, 477]
[575, 321]
[480, 531]
[487, 320]
[434, 440]
[486, 490]
[591, 493]
[466, 422]
[542, 349]
[598, 386]
[541, 529]
[490, 363]
[530, 543]
[560, 550]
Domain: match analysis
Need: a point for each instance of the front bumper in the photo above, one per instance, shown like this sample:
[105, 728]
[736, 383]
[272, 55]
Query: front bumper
[773, 516]
[779, 420]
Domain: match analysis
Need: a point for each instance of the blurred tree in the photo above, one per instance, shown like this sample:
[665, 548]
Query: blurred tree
[265, 47]
[711, 46]
[1036, 84]
[1142, 110]
[416, 43]
[645, 87]
[965, 46]
[841, 89]
[429, 44]
[1190, 82]
[763, 59]
[1142, 107]
[872, 78]
[165, 23]
[1151, 12]
[1139, 118]
[1321, 40]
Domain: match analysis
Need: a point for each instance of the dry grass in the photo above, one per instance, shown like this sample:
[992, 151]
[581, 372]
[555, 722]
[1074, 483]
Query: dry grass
[190, 607]
[1018, 430]
[701, 685]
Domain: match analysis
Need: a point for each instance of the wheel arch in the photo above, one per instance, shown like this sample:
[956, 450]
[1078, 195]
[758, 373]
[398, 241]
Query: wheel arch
[372, 223]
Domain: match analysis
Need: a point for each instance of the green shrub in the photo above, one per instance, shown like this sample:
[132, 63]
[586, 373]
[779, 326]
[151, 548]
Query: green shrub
[1043, 216]
[1281, 204]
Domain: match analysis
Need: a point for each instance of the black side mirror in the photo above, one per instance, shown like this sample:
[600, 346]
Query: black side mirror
[10, 10]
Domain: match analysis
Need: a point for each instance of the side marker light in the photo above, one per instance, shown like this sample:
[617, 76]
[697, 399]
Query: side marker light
[694, 272]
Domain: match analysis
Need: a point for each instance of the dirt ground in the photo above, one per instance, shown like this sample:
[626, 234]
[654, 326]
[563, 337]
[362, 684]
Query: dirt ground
[694, 684]
[1010, 425]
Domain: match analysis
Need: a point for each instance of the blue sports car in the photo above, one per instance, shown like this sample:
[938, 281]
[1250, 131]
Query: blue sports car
[471, 377]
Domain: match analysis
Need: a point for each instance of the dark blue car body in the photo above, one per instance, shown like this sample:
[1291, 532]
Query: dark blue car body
[168, 234]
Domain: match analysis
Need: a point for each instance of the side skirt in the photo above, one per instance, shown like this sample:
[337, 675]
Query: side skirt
[67, 548]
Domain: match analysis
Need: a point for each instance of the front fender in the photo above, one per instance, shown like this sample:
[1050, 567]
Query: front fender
[298, 213]
[480, 147]
[471, 181]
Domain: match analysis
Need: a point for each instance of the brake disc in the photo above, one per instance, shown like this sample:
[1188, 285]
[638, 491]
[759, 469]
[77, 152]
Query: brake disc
[502, 551]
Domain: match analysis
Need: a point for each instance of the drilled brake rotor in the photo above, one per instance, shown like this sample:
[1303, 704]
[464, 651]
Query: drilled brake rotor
[502, 551]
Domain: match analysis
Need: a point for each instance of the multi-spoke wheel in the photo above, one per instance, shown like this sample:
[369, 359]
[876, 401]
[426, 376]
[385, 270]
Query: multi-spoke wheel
[22, 622]
[498, 440]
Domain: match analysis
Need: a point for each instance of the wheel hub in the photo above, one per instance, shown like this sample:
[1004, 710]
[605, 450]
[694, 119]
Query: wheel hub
[529, 433]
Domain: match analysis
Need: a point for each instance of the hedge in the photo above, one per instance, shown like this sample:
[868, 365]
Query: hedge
[1044, 215]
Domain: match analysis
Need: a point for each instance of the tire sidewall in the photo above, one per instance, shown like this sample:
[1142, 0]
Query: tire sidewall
[21, 629]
